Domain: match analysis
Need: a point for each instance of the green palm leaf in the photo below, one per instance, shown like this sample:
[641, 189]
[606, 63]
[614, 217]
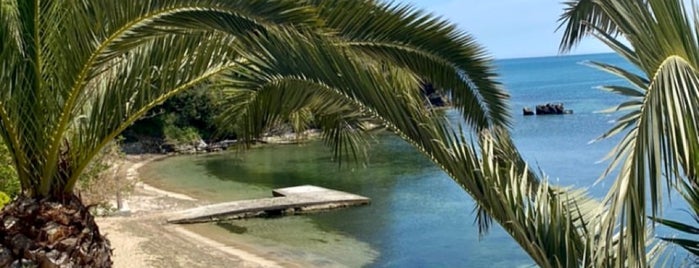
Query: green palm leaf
[252, 109]
[75, 73]
[659, 147]
[582, 18]
[690, 193]
[431, 48]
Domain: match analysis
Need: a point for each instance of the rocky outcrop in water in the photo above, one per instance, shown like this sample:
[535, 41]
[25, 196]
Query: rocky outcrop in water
[546, 109]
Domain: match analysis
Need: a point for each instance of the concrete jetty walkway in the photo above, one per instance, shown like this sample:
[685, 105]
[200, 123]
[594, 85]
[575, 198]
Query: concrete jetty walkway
[291, 200]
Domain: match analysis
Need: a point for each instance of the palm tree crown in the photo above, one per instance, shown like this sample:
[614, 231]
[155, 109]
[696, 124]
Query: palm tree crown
[76, 73]
[660, 122]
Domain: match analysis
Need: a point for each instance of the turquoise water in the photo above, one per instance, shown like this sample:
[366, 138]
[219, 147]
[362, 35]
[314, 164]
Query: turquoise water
[418, 216]
[560, 144]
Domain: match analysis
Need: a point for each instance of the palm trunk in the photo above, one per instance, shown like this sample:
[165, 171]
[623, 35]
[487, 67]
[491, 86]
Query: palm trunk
[51, 233]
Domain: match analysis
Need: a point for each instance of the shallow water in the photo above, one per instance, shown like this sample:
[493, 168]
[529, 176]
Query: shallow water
[418, 216]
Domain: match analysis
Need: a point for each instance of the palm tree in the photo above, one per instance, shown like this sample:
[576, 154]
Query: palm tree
[660, 143]
[555, 226]
[75, 74]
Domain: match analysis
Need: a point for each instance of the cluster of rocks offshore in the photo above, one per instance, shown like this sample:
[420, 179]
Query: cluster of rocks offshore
[545, 109]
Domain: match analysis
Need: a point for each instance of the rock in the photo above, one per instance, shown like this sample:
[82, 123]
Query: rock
[185, 149]
[144, 145]
[550, 108]
[200, 146]
[221, 145]
[545, 109]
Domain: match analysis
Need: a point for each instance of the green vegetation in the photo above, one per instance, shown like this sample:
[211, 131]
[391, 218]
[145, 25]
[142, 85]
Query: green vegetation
[9, 184]
[186, 117]
[4, 199]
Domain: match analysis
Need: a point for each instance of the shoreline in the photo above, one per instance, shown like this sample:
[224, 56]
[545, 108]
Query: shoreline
[140, 237]
[132, 173]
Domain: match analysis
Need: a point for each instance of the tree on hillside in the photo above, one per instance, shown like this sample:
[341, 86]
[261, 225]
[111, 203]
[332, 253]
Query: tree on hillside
[660, 125]
[76, 73]
[192, 112]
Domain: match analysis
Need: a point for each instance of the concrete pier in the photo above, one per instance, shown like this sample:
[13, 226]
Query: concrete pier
[287, 201]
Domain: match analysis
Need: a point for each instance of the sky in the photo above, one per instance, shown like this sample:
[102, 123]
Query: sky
[509, 28]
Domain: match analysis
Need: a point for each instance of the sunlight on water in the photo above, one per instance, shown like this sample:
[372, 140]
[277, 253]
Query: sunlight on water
[293, 240]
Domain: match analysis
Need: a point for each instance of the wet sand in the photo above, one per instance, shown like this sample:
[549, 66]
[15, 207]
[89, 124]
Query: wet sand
[141, 238]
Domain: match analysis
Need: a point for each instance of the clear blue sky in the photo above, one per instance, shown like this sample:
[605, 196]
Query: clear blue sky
[508, 28]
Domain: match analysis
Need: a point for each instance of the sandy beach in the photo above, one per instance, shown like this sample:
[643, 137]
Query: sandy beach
[141, 238]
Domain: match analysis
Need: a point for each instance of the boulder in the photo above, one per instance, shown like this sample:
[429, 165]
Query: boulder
[185, 149]
[200, 146]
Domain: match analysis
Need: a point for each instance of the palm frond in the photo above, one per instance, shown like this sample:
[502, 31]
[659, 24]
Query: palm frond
[657, 148]
[432, 48]
[145, 82]
[252, 111]
[582, 18]
[278, 81]
[63, 61]
[690, 193]
[555, 226]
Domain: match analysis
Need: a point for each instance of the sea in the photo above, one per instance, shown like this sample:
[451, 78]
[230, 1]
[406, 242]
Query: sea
[418, 216]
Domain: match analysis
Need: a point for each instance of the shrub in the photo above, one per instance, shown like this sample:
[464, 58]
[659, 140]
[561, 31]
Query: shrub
[4, 199]
[192, 111]
[9, 182]
[105, 178]
[180, 135]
